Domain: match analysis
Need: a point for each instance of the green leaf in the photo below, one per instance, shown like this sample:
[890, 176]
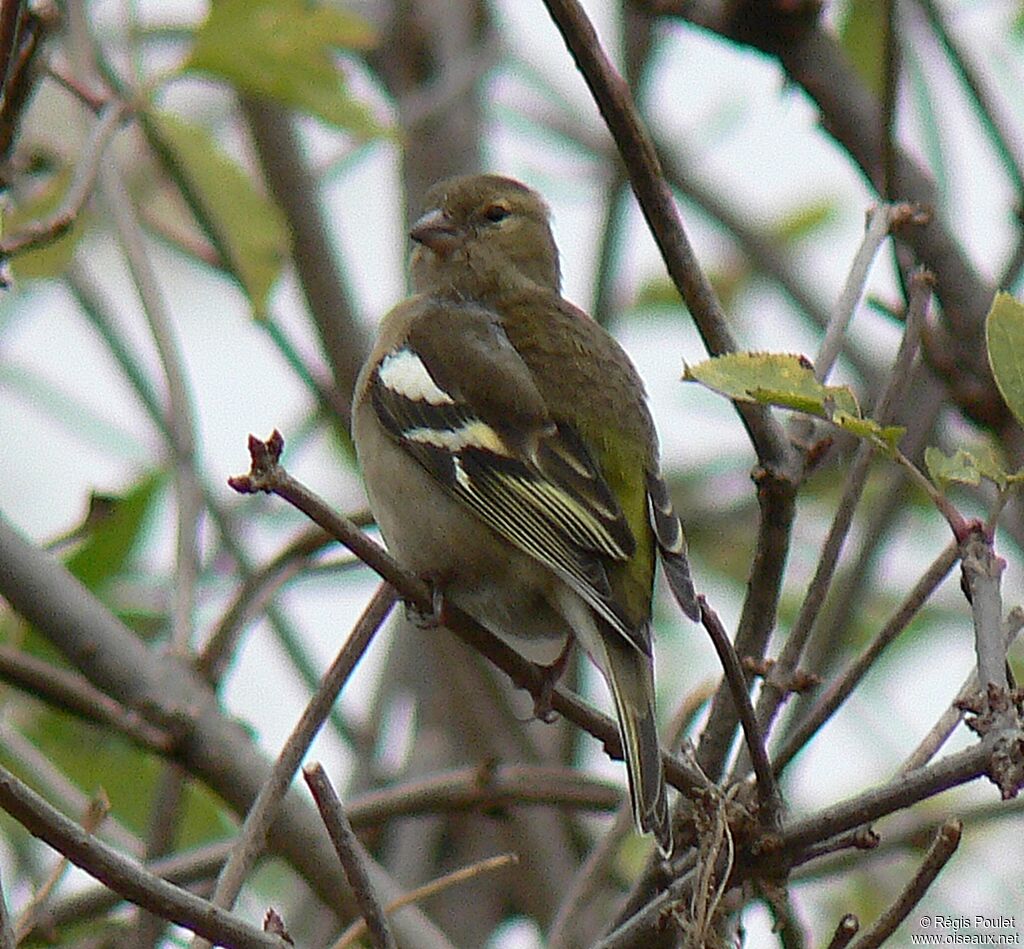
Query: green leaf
[960, 467]
[968, 466]
[885, 437]
[805, 220]
[92, 758]
[114, 534]
[862, 37]
[48, 260]
[247, 227]
[283, 50]
[1004, 332]
[773, 379]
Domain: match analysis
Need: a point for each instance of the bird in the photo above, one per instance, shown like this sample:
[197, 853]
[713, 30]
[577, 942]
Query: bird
[509, 455]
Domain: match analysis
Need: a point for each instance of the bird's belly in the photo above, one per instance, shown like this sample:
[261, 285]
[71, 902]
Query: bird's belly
[435, 536]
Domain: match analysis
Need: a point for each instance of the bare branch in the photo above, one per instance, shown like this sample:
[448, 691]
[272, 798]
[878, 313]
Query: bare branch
[424, 892]
[350, 853]
[613, 98]
[267, 475]
[942, 849]
[845, 931]
[73, 693]
[126, 876]
[88, 169]
[261, 815]
[767, 789]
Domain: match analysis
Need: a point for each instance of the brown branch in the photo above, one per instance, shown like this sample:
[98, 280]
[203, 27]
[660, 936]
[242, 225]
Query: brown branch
[350, 853]
[267, 475]
[73, 693]
[253, 836]
[432, 888]
[125, 876]
[613, 98]
[487, 787]
[939, 854]
[845, 931]
[767, 789]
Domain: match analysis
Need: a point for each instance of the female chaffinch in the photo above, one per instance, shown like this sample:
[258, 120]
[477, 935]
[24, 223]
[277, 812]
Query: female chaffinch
[509, 455]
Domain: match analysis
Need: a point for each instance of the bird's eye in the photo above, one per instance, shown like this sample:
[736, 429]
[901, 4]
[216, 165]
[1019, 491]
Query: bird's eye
[496, 212]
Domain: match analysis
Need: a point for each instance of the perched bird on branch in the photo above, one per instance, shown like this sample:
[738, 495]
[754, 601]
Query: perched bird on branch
[510, 457]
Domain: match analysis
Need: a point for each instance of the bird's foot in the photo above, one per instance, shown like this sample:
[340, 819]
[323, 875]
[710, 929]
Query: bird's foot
[550, 674]
[432, 618]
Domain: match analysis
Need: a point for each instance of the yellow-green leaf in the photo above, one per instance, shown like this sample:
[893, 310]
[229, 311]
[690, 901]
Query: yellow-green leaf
[773, 379]
[284, 50]
[805, 220]
[111, 538]
[862, 37]
[1004, 332]
[885, 437]
[246, 226]
[48, 260]
[959, 467]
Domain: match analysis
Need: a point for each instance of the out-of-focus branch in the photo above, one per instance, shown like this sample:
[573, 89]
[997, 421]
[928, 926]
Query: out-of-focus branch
[73, 693]
[213, 748]
[637, 150]
[123, 875]
[317, 262]
[253, 837]
[851, 114]
[39, 233]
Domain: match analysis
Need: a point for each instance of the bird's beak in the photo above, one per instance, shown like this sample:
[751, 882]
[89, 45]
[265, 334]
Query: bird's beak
[436, 231]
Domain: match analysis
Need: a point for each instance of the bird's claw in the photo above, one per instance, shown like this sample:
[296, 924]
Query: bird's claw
[428, 619]
[543, 707]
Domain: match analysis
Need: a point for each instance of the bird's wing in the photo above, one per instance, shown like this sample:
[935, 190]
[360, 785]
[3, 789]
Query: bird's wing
[472, 416]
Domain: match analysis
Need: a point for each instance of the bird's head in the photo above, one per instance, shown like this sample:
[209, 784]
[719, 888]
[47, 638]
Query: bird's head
[481, 232]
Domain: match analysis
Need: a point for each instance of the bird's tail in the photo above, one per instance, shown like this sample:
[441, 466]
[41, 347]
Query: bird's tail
[630, 676]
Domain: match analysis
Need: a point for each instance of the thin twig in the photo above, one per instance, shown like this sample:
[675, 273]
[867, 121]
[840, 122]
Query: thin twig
[93, 817]
[985, 106]
[88, 169]
[879, 221]
[252, 597]
[486, 787]
[776, 684]
[901, 792]
[71, 692]
[942, 849]
[839, 691]
[10, 17]
[767, 788]
[891, 63]
[613, 98]
[848, 927]
[252, 838]
[350, 853]
[579, 894]
[92, 901]
[428, 890]
[123, 875]
[181, 417]
[831, 821]
[943, 728]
